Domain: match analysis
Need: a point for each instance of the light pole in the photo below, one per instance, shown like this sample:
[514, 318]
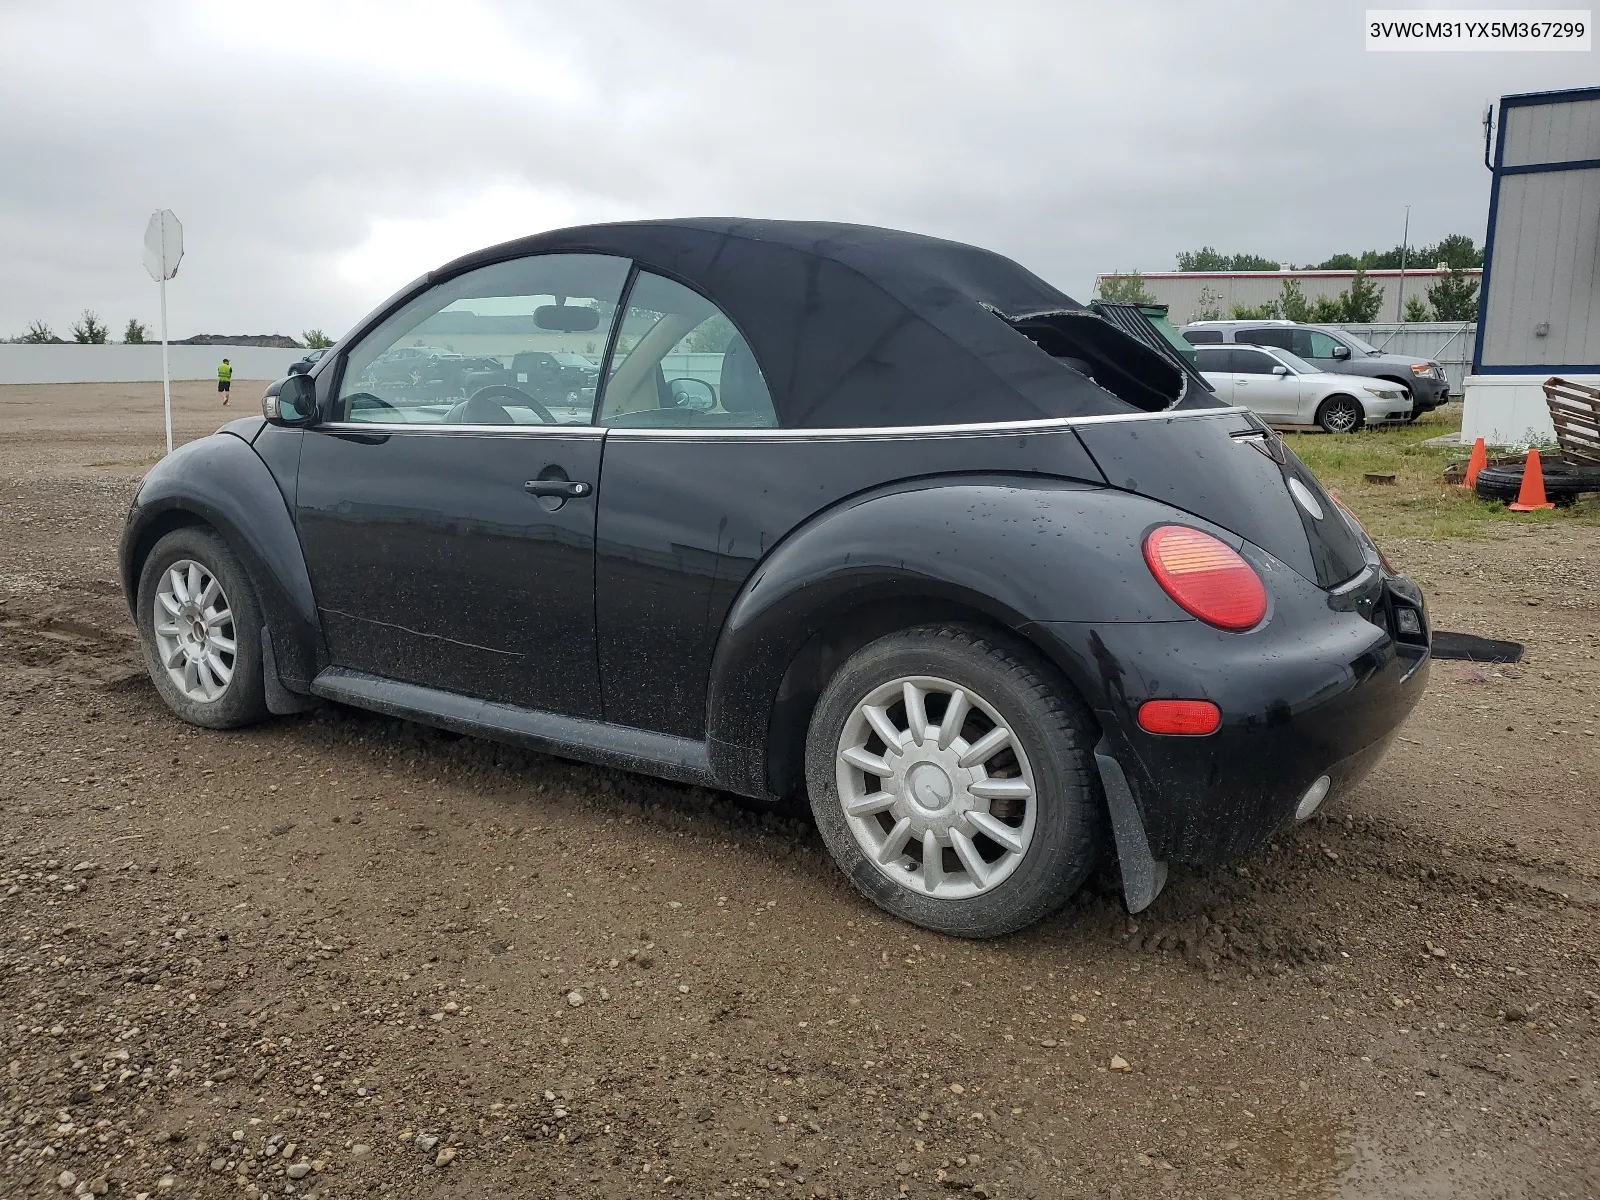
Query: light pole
[1405, 242]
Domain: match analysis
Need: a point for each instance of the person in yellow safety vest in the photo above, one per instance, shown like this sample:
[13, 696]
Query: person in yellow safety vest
[225, 379]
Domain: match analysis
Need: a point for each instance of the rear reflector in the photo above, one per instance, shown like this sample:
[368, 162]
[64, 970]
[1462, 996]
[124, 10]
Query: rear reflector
[1206, 578]
[1193, 718]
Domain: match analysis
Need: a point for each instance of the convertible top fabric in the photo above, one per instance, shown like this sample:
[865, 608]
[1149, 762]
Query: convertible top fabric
[858, 326]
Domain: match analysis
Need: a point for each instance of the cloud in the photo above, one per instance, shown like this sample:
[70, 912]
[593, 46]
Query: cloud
[322, 154]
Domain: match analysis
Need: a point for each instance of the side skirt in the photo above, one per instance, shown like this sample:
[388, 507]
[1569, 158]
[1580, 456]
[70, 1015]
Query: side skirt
[1143, 875]
[660, 754]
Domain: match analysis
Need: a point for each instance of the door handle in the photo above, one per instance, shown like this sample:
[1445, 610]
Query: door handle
[562, 489]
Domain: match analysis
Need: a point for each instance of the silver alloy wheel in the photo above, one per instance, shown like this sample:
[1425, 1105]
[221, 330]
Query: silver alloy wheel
[194, 631]
[936, 787]
[1341, 416]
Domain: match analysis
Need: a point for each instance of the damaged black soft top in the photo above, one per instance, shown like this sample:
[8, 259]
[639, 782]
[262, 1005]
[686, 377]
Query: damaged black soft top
[858, 326]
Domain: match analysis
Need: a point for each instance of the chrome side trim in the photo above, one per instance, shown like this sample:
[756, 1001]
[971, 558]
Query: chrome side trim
[879, 432]
[586, 431]
[847, 433]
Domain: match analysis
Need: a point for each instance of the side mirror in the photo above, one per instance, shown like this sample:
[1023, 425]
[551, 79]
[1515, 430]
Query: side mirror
[1341, 351]
[290, 401]
[1280, 370]
[693, 394]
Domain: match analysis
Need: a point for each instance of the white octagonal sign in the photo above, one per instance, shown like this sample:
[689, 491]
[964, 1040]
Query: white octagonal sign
[163, 245]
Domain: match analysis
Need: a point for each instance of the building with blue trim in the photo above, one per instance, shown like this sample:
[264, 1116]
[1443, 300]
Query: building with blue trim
[1539, 307]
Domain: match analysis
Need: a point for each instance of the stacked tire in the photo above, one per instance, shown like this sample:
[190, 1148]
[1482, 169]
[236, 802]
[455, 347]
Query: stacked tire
[1564, 482]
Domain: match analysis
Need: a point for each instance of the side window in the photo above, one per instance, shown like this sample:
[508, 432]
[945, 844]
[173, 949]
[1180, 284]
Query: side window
[1319, 345]
[1213, 359]
[1252, 362]
[516, 343]
[680, 363]
[1266, 337]
[1202, 337]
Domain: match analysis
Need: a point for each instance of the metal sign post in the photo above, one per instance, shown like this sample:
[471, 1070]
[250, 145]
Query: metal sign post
[163, 250]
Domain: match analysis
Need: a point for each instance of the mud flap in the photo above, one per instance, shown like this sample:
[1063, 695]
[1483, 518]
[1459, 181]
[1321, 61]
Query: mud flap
[280, 700]
[1143, 875]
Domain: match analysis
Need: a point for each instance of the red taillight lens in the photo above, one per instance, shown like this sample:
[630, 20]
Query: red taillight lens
[1189, 717]
[1205, 577]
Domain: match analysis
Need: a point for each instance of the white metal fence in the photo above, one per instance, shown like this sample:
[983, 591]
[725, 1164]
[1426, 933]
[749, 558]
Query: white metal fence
[74, 363]
[1448, 343]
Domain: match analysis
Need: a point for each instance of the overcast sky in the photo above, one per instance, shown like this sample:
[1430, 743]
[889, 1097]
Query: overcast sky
[322, 154]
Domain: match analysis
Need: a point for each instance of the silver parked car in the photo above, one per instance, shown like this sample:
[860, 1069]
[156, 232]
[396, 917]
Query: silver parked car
[1337, 351]
[1284, 389]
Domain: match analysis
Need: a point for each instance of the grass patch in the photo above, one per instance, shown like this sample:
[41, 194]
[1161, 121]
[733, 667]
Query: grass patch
[1419, 503]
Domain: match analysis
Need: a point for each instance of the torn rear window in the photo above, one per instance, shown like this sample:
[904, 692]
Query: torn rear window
[1120, 364]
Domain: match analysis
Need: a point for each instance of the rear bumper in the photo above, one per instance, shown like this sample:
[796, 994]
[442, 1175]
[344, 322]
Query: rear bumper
[1321, 688]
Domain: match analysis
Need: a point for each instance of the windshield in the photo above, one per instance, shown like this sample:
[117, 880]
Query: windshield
[1364, 347]
[1294, 362]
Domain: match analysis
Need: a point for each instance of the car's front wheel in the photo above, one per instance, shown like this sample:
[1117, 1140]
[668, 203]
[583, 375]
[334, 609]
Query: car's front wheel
[200, 628]
[951, 778]
[1340, 414]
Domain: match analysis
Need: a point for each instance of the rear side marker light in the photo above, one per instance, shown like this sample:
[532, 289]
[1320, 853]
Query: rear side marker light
[1205, 578]
[1190, 718]
[1313, 798]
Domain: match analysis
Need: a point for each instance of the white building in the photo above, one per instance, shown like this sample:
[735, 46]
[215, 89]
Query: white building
[1203, 295]
[1539, 310]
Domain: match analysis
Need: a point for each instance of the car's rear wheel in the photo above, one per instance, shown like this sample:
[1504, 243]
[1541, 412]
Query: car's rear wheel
[1340, 414]
[951, 778]
[200, 627]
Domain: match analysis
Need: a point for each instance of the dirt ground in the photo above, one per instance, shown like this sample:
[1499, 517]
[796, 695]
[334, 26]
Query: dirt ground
[344, 956]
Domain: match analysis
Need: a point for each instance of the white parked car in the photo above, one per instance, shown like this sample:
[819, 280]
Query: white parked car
[1286, 390]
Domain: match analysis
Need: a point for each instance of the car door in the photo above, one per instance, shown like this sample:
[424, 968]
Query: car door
[450, 534]
[1273, 396]
[1318, 349]
[1216, 364]
[672, 547]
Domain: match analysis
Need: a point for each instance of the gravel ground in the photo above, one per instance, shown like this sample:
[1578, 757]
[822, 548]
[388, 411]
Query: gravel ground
[340, 956]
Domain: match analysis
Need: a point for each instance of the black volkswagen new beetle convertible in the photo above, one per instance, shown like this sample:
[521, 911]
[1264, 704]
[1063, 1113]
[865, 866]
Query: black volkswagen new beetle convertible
[820, 509]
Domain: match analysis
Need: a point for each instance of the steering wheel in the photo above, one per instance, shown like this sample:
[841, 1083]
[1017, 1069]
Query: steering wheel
[484, 406]
[366, 400]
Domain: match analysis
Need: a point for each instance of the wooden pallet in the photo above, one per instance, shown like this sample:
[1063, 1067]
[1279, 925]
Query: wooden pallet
[1575, 412]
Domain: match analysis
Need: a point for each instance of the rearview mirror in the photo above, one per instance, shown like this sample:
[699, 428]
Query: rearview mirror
[1280, 370]
[1341, 351]
[566, 318]
[290, 401]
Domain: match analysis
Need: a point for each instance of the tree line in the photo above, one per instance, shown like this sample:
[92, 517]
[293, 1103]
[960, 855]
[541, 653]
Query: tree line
[1454, 297]
[89, 330]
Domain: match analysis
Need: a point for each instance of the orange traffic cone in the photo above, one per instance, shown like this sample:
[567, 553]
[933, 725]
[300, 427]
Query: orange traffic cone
[1531, 496]
[1479, 460]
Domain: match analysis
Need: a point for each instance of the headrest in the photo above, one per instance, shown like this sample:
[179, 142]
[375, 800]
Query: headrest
[743, 389]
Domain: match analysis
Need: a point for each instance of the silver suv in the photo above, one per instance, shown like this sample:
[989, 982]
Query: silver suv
[1331, 349]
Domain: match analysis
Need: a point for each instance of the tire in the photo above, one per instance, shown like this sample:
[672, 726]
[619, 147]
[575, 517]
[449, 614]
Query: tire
[1341, 414]
[1056, 832]
[1563, 482]
[196, 645]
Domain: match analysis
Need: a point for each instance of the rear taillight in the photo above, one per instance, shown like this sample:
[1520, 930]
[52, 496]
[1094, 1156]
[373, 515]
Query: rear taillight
[1205, 577]
[1190, 718]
